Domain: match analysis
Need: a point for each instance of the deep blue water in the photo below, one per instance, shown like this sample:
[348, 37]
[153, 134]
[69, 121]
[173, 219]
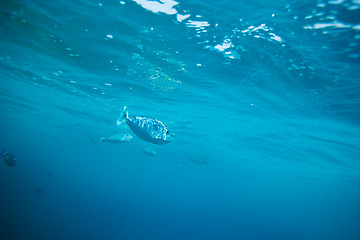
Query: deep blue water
[263, 96]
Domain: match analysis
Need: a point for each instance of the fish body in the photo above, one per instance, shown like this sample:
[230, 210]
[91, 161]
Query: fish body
[118, 138]
[148, 129]
[149, 151]
[9, 158]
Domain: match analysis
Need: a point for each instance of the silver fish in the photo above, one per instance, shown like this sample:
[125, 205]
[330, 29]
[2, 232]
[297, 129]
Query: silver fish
[117, 138]
[149, 151]
[9, 158]
[146, 128]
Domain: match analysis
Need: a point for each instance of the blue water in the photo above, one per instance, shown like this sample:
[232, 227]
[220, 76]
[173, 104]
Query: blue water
[263, 97]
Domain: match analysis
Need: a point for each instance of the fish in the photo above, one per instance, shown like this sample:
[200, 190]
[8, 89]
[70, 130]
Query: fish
[39, 190]
[117, 138]
[149, 151]
[146, 128]
[9, 158]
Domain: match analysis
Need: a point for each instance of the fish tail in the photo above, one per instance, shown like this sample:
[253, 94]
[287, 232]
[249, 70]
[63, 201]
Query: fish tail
[122, 117]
